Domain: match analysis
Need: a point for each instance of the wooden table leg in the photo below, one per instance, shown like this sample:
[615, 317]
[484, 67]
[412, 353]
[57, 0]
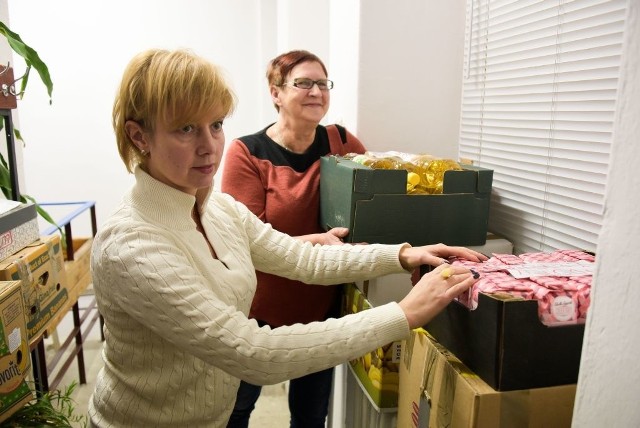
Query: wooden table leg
[39, 363]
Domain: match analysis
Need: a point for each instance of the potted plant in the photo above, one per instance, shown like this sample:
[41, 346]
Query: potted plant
[32, 60]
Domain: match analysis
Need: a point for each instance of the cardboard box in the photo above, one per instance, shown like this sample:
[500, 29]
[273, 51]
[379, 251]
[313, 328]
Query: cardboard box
[374, 205]
[18, 228]
[438, 390]
[40, 269]
[376, 371]
[14, 350]
[506, 344]
[78, 267]
[78, 273]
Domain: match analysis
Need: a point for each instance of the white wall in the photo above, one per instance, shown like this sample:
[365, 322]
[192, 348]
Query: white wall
[609, 383]
[86, 47]
[397, 85]
[383, 69]
[344, 24]
[410, 71]
[70, 150]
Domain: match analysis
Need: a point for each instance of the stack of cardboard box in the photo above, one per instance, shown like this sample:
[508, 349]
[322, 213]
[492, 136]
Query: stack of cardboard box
[33, 291]
[438, 390]
[504, 341]
[18, 228]
[512, 371]
[14, 350]
[497, 365]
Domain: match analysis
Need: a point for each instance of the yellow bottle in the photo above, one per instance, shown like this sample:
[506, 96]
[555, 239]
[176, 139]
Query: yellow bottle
[425, 174]
[434, 173]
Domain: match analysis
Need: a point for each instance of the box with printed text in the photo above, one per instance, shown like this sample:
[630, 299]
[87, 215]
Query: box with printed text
[14, 350]
[40, 269]
[18, 227]
[438, 390]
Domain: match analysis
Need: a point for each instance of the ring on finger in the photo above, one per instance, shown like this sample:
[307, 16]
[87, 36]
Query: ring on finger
[446, 273]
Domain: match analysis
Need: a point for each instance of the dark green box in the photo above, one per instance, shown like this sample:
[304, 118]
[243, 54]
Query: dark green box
[374, 205]
[504, 342]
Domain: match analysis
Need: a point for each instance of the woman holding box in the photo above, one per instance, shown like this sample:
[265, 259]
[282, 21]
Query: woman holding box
[276, 174]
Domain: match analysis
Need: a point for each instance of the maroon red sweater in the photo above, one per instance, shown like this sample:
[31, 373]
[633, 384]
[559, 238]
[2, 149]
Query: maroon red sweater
[283, 189]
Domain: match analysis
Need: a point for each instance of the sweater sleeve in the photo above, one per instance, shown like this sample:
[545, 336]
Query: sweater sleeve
[150, 285]
[242, 180]
[278, 253]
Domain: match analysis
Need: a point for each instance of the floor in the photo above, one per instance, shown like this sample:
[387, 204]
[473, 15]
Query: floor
[271, 409]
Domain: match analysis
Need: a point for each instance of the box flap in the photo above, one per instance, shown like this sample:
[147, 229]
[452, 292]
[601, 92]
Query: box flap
[472, 179]
[370, 181]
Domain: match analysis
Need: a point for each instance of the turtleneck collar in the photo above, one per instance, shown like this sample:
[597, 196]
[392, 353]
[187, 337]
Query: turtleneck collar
[163, 203]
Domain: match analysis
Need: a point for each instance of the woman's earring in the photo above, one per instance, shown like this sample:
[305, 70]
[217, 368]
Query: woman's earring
[143, 152]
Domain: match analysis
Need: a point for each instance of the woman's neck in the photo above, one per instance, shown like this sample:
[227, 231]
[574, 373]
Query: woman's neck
[195, 215]
[295, 140]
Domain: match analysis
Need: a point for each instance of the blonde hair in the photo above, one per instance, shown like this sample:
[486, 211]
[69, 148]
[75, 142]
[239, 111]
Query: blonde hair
[176, 86]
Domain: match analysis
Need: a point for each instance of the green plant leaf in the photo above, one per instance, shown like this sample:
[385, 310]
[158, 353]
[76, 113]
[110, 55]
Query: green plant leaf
[51, 409]
[5, 186]
[5, 178]
[18, 135]
[31, 58]
[44, 214]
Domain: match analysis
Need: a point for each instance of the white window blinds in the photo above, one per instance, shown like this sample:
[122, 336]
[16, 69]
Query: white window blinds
[539, 94]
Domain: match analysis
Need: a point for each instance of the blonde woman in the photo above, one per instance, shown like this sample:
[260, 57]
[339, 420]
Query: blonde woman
[174, 267]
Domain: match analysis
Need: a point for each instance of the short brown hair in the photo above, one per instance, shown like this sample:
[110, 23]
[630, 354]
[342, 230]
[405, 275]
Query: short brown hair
[174, 85]
[281, 66]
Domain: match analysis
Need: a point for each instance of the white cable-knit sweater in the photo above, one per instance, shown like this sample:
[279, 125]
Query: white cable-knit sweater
[177, 336]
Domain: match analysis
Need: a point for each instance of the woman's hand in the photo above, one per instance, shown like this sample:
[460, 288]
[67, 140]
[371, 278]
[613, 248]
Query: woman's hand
[334, 236]
[331, 237]
[435, 255]
[434, 292]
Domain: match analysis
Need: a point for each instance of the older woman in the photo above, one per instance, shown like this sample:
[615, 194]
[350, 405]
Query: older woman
[174, 267]
[276, 173]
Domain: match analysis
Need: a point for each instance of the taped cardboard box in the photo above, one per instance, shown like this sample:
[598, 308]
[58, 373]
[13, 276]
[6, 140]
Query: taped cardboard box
[376, 371]
[18, 227]
[374, 205]
[438, 390]
[14, 350]
[40, 269]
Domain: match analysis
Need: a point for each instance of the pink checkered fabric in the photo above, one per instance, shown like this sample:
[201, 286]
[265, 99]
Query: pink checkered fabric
[561, 300]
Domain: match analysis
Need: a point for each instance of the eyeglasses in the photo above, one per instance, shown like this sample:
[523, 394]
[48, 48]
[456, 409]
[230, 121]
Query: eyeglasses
[304, 83]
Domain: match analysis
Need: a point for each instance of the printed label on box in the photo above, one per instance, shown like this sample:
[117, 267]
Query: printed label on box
[563, 308]
[528, 270]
